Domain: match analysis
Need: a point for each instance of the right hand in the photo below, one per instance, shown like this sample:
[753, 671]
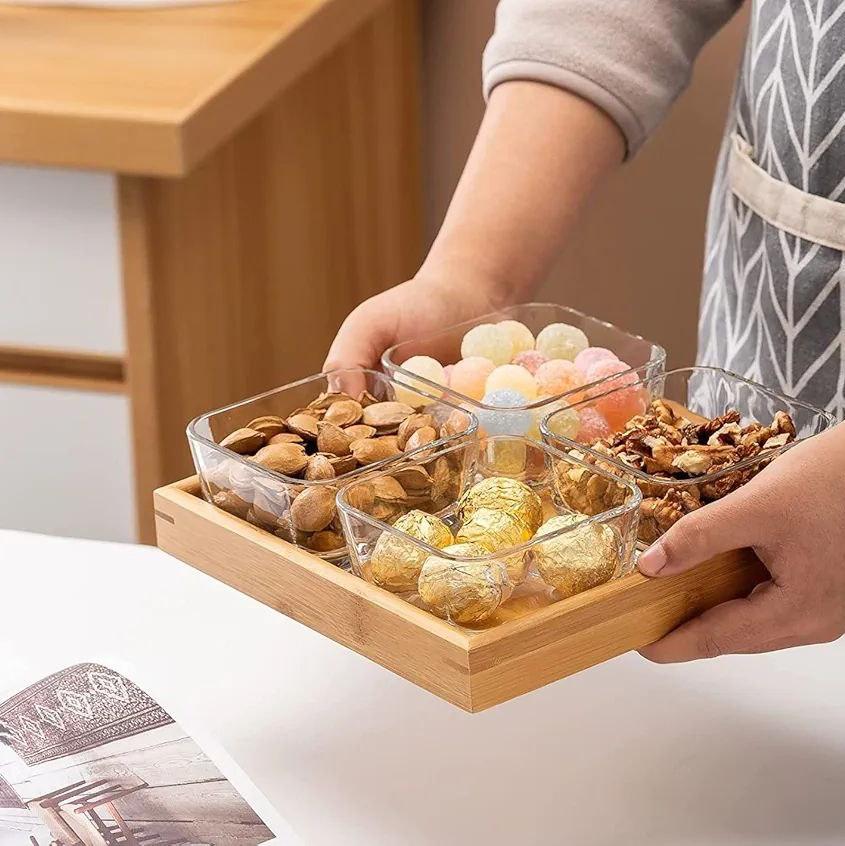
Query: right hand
[419, 307]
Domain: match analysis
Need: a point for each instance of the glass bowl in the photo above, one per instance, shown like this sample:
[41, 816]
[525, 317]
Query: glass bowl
[579, 551]
[695, 393]
[645, 358]
[263, 496]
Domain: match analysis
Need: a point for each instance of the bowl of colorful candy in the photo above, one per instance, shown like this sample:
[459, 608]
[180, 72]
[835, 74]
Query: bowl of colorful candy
[515, 367]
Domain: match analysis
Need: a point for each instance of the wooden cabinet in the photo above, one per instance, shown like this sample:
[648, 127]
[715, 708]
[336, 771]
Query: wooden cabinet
[258, 177]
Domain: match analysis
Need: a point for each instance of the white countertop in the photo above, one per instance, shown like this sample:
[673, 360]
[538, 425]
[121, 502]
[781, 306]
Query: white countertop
[740, 750]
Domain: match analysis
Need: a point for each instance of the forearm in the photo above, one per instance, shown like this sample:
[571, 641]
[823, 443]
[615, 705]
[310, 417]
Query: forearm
[538, 156]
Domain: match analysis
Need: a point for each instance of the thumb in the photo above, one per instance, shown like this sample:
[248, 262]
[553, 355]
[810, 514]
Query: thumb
[717, 527]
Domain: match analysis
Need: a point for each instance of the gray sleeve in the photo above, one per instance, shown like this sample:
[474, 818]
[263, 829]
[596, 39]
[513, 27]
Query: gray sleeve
[631, 58]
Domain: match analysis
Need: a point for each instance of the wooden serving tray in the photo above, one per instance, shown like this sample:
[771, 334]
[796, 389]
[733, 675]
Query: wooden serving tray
[472, 669]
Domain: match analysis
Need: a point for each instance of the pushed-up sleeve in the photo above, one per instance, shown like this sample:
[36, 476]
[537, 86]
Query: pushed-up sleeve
[631, 58]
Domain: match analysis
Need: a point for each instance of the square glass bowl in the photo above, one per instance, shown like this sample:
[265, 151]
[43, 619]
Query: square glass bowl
[645, 358]
[512, 574]
[265, 497]
[695, 393]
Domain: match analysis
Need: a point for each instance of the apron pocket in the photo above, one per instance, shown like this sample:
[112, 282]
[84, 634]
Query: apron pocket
[807, 216]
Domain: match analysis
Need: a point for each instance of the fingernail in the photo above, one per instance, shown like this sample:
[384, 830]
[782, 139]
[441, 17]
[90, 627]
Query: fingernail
[653, 560]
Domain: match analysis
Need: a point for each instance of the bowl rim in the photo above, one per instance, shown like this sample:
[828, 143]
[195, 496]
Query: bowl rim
[764, 455]
[658, 359]
[630, 507]
[195, 436]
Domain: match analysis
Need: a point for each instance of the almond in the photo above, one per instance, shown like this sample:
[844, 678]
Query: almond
[415, 480]
[365, 398]
[313, 509]
[455, 424]
[361, 496]
[286, 438]
[318, 468]
[303, 424]
[386, 415]
[387, 489]
[420, 438]
[287, 459]
[411, 424]
[232, 503]
[360, 431]
[328, 399]
[344, 413]
[344, 464]
[325, 541]
[270, 425]
[332, 439]
[370, 450]
[244, 441]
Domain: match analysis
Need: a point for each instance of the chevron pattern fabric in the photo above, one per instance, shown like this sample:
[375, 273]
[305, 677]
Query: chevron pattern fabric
[773, 304]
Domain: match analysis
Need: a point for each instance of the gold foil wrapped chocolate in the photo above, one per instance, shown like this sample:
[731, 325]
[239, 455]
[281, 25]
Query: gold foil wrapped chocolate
[497, 531]
[500, 493]
[577, 560]
[463, 591]
[396, 561]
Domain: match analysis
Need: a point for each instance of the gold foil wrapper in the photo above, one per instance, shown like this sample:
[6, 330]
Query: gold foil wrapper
[463, 591]
[577, 560]
[500, 493]
[396, 560]
[497, 531]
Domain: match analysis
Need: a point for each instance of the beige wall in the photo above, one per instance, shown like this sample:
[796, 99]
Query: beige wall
[635, 258]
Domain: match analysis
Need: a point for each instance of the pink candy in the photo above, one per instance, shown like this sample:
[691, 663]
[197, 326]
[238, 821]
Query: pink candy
[530, 360]
[591, 356]
[592, 426]
[558, 376]
[469, 376]
[622, 402]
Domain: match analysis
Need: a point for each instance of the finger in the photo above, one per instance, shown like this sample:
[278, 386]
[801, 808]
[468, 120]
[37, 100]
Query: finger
[718, 527]
[362, 337]
[755, 624]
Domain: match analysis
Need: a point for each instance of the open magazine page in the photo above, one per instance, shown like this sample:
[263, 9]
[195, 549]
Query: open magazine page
[87, 756]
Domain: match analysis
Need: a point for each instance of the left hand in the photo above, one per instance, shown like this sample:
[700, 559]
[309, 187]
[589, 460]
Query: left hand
[793, 516]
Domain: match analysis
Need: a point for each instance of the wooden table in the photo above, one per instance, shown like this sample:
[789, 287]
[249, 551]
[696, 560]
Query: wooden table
[244, 175]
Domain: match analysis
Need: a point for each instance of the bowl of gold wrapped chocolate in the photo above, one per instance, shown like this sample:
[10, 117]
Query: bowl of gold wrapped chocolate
[493, 538]
[692, 436]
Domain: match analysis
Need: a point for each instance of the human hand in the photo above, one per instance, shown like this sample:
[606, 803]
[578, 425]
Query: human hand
[422, 306]
[793, 516]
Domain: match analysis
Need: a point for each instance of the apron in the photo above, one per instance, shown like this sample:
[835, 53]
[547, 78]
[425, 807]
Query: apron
[773, 301]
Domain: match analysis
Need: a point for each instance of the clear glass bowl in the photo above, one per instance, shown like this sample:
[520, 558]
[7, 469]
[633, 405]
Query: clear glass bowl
[707, 392]
[533, 572]
[264, 497]
[645, 358]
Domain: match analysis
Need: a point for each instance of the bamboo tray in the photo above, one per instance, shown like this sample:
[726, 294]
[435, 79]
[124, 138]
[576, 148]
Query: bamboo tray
[471, 669]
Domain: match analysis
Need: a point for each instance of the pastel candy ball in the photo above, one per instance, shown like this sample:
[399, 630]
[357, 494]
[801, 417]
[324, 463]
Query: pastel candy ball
[564, 423]
[513, 377]
[420, 365]
[617, 399]
[504, 398]
[593, 355]
[604, 369]
[488, 341]
[592, 426]
[521, 336]
[620, 406]
[530, 360]
[558, 376]
[512, 419]
[560, 340]
[469, 376]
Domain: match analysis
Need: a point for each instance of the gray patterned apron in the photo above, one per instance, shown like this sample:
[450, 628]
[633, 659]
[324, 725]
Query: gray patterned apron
[773, 301]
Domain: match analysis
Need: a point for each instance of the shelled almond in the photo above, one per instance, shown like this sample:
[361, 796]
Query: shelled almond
[314, 448]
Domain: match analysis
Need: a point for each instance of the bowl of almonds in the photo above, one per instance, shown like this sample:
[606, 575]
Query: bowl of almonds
[277, 460]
